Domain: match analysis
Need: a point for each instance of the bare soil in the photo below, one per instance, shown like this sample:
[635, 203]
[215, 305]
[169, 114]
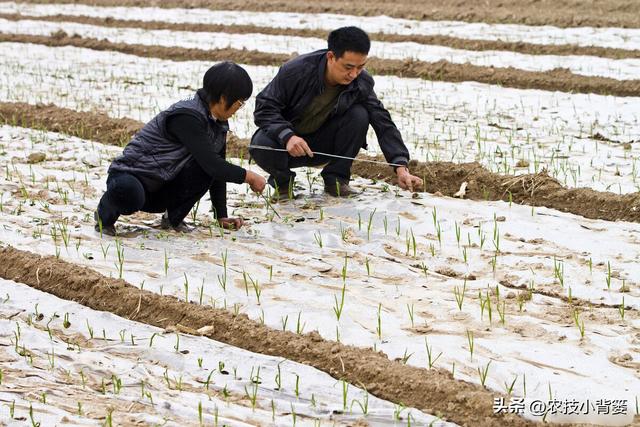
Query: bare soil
[438, 40]
[529, 189]
[249, 57]
[555, 80]
[440, 177]
[433, 390]
[93, 126]
[568, 13]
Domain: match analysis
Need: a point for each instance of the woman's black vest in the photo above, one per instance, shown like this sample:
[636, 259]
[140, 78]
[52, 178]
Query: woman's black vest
[154, 155]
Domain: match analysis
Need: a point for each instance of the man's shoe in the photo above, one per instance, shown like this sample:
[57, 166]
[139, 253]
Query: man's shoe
[109, 230]
[282, 191]
[165, 224]
[339, 189]
[277, 196]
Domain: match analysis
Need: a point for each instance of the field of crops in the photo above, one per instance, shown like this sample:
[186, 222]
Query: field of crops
[504, 292]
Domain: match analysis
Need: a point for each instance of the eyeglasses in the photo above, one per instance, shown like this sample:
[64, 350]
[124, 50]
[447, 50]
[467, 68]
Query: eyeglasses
[241, 102]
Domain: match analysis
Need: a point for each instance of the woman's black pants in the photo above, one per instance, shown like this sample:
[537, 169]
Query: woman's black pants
[125, 195]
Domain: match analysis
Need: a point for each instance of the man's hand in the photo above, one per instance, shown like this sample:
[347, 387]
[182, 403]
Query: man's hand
[298, 147]
[255, 181]
[231, 223]
[407, 181]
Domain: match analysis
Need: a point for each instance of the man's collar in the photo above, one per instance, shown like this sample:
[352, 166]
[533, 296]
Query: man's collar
[322, 67]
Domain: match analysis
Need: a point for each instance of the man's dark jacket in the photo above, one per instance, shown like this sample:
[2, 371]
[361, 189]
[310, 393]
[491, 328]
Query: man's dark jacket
[298, 81]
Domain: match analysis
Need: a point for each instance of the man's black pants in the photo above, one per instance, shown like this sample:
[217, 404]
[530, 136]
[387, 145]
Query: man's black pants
[125, 195]
[342, 135]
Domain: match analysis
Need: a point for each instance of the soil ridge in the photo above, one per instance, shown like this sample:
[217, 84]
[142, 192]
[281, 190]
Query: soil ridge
[559, 79]
[438, 40]
[430, 390]
[568, 13]
[443, 178]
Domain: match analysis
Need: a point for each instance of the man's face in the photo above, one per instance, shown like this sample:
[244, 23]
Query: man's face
[345, 69]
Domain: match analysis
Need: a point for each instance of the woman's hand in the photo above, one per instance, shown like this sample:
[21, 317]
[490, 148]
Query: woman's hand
[406, 180]
[255, 181]
[231, 223]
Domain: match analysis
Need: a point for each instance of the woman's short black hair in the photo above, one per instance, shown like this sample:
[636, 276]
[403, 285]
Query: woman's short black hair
[227, 79]
[351, 39]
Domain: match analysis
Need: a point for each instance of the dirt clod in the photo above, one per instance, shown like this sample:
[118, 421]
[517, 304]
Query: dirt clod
[36, 158]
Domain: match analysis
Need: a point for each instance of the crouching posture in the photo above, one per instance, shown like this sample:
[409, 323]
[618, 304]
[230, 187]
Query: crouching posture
[180, 155]
[324, 102]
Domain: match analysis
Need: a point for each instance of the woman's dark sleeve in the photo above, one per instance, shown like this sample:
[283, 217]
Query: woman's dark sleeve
[191, 131]
[218, 193]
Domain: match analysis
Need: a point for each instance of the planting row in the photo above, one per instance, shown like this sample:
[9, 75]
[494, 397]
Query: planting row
[469, 291]
[67, 362]
[584, 36]
[582, 140]
[621, 69]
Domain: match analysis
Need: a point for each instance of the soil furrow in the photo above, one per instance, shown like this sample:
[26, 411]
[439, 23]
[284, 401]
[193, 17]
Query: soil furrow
[569, 13]
[92, 126]
[438, 40]
[249, 57]
[570, 301]
[433, 390]
[559, 79]
[443, 178]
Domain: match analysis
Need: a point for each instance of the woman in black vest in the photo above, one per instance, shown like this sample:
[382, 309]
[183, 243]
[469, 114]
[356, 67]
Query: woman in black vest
[179, 155]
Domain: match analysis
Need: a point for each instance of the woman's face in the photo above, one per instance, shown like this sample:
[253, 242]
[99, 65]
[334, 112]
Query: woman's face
[220, 111]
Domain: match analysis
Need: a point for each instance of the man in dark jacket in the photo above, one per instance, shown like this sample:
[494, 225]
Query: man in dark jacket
[324, 101]
[179, 155]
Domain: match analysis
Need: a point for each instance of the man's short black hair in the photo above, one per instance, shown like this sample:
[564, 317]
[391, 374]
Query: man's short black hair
[227, 79]
[351, 39]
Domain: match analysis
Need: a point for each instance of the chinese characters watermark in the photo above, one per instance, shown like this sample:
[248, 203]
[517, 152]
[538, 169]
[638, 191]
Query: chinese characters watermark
[537, 407]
